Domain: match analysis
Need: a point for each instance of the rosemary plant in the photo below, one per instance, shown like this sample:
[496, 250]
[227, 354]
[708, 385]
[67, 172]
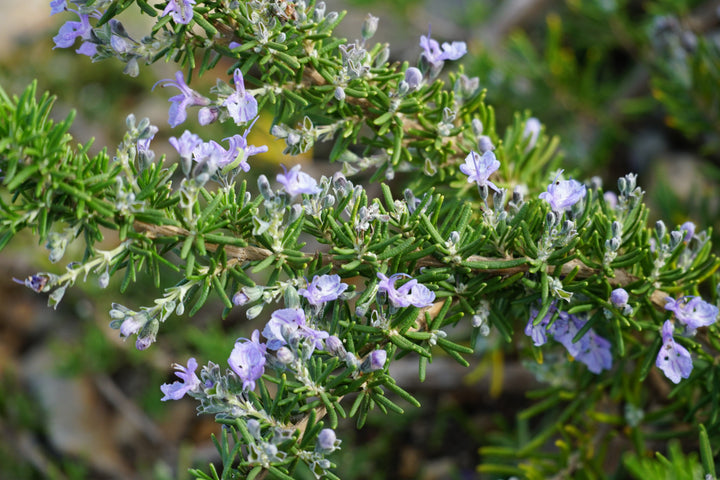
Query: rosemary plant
[482, 226]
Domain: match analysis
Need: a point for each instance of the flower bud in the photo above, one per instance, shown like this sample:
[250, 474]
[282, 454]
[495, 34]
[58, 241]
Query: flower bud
[331, 17]
[339, 94]
[327, 441]
[413, 77]
[619, 297]
[334, 346]
[484, 192]
[254, 311]
[465, 87]
[517, 196]
[613, 244]
[375, 361]
[147, 335]
[56, 296]
[676, 238]
[382, 56]
[264, 187]
[550, 220]
[531, 132]
[485, 144]
[284, 355]
[622, 186]
[319, 12]
[132, 68]
[499, 199]
[208, 115]
[660, 229]
[240, 299]
[104, 279]
[369, 27]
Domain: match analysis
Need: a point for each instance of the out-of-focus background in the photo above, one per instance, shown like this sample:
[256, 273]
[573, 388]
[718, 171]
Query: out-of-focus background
[629, 86]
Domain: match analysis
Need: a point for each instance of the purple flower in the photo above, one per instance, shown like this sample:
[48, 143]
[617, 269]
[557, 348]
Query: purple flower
[70, 31]
[238, 151]
[420, 296]
[186, 144]
[531, 132]
[181, 10]
[334, 346]
[210, 152]
[323, 288]
[563, 194]
[240, 299]
[190, 381]
[410, 293]
[564, 329]
[285, 355]
[297, 182]
[287, 325]
[413, 77]
[132, 325]
[689, 229]
[592, 349]
[435, 56]
[143, 144]
[147, 334]
[538, 332]
[241, 105]
[611, 199]
[479, 168]
[282, 325]
[36, 283]
[692, 311]
[57, 6]
[375, 361]
[619, 297]
[316, 337]
[187, 98]
[673, 359]
[595, 352]
[327, 440]
[248, 360]
[207, 115]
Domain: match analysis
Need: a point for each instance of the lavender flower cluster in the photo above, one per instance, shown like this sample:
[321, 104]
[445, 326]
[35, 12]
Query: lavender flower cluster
[293, 338]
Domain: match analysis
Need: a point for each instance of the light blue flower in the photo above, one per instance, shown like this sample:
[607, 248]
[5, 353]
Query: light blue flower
[247, 360]
[186, 144]
[190, 381]
[539, 332]
[595, 352]
[479, 168]
[323, 288]
[187, 98]
[689, 229]
[619, 297]
[673, 359]
[409, 293]
[435, 56]
[241, 105]
[692, 311]
[238, 151]
[563, 194]
[297, 182]
[180, 10]
[71, 31]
